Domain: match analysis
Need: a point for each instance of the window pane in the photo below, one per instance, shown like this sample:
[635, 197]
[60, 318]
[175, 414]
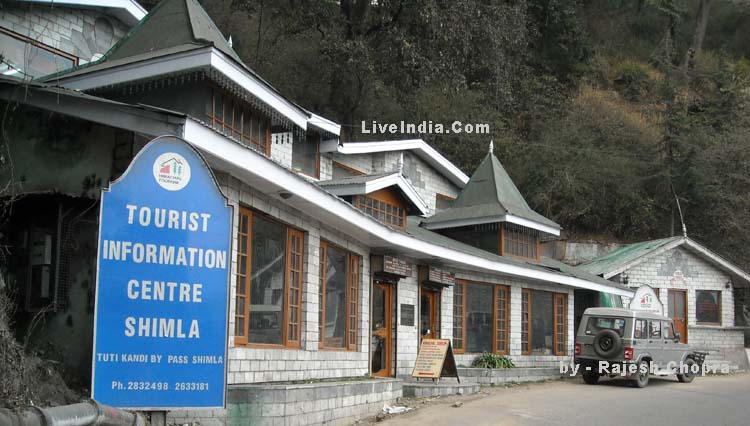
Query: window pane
[305, 155]
[458, 317]
[542, 323]
[708, 306]
[335, 299]
[640, 329]
[655, 330]
[478, 318]
[267, 284]
[29, 59]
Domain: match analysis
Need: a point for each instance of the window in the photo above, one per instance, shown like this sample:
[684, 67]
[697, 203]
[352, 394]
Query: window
[668, 330]
[443, 202]
[543, 323]
[339, 288]
[269, 282]
[306, 155]
[27, 58]
[238, 120]
[383, 211]
[519, 241]
[708, 307]
[641, 329]
[480, 317]
[655, 329]
[597, 324]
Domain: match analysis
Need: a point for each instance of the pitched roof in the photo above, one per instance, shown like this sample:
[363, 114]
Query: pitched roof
[128, 11]
[545, 264]
[173, 26]
[365, 184]
[490, 196]
[630, 255]
[622, 257]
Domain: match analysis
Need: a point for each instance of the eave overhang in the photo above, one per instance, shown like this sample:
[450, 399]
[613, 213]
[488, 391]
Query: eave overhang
[421, 148]
[494, 219]
[395, 179]
[200, 58]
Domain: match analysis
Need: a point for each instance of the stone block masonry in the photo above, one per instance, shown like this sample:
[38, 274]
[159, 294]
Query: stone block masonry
[330, 403]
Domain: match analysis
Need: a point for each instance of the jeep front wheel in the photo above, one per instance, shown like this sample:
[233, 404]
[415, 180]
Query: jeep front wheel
[688, 376]
[641, 376]
[591, 377]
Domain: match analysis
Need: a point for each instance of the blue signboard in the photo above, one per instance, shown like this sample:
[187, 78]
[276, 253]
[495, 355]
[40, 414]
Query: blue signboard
[160, 333]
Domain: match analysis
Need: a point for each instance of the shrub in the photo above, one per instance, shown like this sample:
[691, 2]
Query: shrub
[488, 360]
[632, 79]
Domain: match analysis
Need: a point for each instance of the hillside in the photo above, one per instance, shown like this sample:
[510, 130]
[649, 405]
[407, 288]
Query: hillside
[604, 112]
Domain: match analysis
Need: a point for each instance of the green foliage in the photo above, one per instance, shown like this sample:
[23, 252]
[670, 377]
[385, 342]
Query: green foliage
[488, 360]
[632, 80]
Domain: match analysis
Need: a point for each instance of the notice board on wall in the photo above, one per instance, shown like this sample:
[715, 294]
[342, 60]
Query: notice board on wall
[435, 360]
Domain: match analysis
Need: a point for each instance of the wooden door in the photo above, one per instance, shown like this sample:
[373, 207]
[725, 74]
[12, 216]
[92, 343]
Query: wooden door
[428, 314]
[381, 346]
[678, 312]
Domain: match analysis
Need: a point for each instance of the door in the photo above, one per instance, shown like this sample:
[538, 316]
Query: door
[672, 348]
[381, 342]
[428, 314]
[678, 312]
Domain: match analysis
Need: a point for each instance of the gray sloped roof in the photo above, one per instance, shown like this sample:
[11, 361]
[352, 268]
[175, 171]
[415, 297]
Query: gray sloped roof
[625, 255]
[173, 26]
[489, 194]
[545, 264]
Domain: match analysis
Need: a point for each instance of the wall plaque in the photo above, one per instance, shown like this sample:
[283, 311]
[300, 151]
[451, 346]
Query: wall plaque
[391, 265]
[407, 314]
[436, 275]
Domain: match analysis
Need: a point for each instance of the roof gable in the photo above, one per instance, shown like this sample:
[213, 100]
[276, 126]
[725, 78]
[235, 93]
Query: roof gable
[631, 255]
[490, 196]
[188, 24]
[367, 184]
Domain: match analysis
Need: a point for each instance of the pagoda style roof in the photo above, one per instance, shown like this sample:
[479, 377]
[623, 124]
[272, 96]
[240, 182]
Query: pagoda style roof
[490, 196]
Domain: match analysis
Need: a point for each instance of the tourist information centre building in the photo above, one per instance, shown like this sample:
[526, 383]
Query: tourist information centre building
[344, 255]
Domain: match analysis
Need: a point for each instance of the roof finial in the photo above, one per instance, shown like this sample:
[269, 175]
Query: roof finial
[401, 163]
[492, 146]
[229, 42]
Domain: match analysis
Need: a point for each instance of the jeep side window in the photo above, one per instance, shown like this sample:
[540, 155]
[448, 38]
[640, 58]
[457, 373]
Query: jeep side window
[655, 331]
[668, 330]
[641, 329]
[596, 324]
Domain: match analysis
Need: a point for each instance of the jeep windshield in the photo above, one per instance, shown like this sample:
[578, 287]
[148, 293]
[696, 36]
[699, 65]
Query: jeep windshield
[597, 324]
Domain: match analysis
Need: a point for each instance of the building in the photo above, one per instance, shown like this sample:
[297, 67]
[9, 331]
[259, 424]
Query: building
[704, 293]
[344, 254]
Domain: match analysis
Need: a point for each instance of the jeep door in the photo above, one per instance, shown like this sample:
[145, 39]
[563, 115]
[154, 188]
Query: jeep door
[656, 343]
[672, 347]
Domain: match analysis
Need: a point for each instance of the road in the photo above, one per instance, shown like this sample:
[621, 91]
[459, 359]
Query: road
[715, 400]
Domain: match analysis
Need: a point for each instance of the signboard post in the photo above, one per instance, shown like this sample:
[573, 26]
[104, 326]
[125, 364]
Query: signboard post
[435, 360]
[160, 328]
[645, 300]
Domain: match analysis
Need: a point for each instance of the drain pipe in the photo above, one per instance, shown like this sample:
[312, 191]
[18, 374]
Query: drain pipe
[83, 414]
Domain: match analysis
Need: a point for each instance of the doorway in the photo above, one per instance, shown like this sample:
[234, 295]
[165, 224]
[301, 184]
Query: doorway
[381, 344]
[428, 314]
[678, 312]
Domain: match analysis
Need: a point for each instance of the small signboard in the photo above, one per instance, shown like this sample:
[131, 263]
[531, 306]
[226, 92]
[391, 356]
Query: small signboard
[390, 265]
[438, 277]
[645, 300]
[435, 360]
[160, 328]
[407, 314]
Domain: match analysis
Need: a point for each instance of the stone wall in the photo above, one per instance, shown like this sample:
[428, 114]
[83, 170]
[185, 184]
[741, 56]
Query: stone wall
[724, 346]
[497, 376]
[78, 32]
[330, 403]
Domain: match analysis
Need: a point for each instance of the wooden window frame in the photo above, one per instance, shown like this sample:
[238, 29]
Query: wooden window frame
[462, 307]
[221, 123]
[510, 233]
[363, 198]
[718, 301]
[353, 282]
[526, 307]
[495, 290]
[288, 341]
[348, 168]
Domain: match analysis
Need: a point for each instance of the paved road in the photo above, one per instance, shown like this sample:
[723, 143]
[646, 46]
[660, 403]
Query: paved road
[718, 400]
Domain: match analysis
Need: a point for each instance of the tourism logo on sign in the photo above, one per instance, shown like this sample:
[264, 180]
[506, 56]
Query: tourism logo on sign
[171, 171]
